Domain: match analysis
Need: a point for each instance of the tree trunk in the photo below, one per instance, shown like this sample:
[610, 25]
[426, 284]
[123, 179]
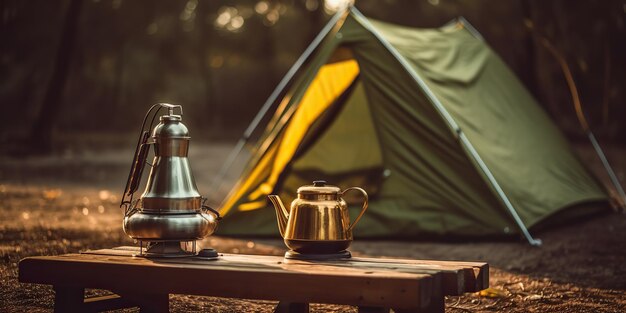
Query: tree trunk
[40, 136]
[205, 33]
[529, 74]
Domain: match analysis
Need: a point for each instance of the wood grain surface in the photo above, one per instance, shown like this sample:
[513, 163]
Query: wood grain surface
[366, 282]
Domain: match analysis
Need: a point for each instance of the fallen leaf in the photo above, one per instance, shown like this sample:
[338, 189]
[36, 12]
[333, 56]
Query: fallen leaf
[492, 293]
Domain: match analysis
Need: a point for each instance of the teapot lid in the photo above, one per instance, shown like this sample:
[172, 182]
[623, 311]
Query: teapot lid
[319, 187]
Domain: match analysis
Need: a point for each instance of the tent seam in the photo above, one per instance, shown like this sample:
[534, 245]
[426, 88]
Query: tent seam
[460, 135]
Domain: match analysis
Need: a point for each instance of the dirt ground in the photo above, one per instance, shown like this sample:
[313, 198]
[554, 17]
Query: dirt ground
[68, 202]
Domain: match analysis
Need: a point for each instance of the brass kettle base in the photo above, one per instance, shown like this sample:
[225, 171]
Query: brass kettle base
[293, 255]
[317, 246]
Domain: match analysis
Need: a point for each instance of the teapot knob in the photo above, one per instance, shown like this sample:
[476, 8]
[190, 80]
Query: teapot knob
[319, 183]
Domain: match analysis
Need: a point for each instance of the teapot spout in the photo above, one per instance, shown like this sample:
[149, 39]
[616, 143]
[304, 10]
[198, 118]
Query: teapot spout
[281, 213]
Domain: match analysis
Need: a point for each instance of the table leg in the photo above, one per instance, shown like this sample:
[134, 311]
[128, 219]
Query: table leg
[155, 304]
[372, 309]
[291, 307]
[148, 303]
[68, 298]
[436, 305]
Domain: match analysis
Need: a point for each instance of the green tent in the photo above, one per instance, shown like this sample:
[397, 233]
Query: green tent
[430, 122]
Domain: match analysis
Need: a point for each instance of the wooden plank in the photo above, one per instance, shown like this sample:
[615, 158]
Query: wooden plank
[435, 305]
[119, 251]
[227, 278]
[476, 274]
[453, 278]
[227, 264]
[457, 277]
[139, 259]
[413, 285]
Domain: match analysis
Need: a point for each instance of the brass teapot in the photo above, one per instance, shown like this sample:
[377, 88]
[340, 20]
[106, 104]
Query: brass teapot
[318, 221]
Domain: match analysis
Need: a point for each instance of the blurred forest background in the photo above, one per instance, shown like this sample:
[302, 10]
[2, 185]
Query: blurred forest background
[72, 68]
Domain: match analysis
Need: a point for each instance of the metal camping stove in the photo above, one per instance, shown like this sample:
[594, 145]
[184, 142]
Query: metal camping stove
[171, 211]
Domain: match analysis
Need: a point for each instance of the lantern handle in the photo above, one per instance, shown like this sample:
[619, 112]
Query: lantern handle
[170, 108]
[141, 151]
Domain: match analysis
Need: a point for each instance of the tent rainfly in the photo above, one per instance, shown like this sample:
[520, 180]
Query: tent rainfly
[431, 122]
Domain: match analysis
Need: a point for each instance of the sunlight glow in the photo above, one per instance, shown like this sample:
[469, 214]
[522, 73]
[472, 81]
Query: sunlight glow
[272, 17]
[312, 5]
[332, 6]
[223, 19]
[230, 18]
[104, 194]
[261, 7]
[270, 11]
[237, 22]
[191, 5]
[188, 15]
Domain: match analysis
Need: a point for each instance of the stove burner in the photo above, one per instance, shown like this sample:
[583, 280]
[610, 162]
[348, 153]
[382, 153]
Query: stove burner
[293, 255]
[165, 249]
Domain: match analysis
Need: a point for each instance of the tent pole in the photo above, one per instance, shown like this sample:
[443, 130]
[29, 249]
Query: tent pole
[453, 125]
[468, 145]
[271, 100]
[607, 167]
[461, 20]
[582, 120]
[470, 28]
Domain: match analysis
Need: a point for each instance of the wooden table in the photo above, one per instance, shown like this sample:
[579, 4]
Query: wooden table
[374, 285]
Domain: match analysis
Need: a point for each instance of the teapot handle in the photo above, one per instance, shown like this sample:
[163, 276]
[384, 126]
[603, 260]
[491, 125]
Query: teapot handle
[365, 203]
